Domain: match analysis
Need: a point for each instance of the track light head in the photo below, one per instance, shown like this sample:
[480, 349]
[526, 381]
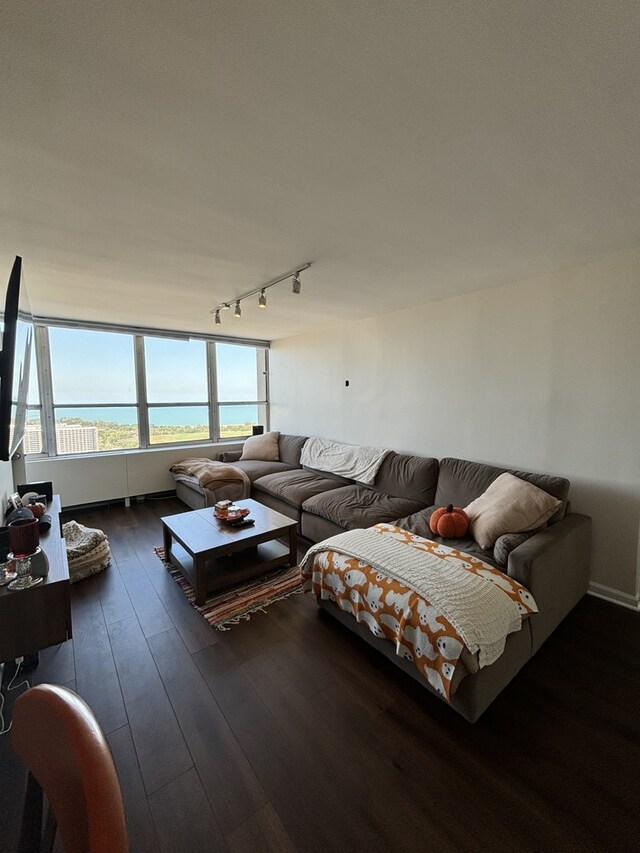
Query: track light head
[262, 301]
[218, 321]
[296, 283]
[225, 306]
[238, 311]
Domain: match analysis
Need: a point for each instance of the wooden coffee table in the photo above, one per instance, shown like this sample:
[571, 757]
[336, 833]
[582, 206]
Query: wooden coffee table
[212, 554]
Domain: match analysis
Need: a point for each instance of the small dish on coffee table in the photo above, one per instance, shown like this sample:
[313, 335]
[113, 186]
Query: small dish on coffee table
[223, 515]
[240, 522]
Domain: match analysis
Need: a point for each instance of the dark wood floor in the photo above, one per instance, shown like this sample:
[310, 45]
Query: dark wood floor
[289, 733]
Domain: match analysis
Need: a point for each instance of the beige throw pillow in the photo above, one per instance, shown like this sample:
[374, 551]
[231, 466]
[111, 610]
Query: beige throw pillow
[509, 505]
[262, 447]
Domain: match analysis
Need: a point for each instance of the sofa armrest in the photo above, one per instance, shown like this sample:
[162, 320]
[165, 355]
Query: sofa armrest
[230, 456]
[554, 565]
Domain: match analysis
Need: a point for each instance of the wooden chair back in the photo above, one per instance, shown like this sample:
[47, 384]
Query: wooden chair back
[58, 738]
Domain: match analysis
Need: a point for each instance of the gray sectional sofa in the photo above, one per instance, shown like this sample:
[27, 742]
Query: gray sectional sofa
[323, 503]
[554, 563]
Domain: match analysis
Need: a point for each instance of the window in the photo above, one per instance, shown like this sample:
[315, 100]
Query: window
[106, 390]
[177, 390]
[93, 380]
[242, 396]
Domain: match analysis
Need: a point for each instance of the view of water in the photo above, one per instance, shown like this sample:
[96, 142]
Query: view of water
[187, 416]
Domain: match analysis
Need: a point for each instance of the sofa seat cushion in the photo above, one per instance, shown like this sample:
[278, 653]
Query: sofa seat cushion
[255, 468]
[418, 523]
[294, 487]
[359, 506]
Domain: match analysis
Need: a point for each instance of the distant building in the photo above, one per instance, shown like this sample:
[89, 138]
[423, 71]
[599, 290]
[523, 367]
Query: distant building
[73, 438]
[32, 442]
[70, 438]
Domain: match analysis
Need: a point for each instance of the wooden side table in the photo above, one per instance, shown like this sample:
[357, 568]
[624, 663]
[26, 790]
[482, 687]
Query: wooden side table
[32, 619]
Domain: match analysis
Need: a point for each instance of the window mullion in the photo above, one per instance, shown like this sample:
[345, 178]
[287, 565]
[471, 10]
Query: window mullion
[141, 393]
[212, 376]
[45, 387]
[264, 386]
[242, 402]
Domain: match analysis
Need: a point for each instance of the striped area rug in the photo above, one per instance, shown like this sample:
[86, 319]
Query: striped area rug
[236, 604]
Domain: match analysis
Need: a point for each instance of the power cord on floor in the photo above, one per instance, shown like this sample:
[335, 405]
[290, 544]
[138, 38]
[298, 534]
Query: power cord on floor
[11, 686]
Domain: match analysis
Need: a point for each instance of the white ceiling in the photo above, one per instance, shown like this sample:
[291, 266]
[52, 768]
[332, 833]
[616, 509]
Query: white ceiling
[159, 157]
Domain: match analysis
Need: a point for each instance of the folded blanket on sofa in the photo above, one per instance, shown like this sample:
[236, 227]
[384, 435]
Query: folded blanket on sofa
[347, 460]
[213, 475]
[436, 604]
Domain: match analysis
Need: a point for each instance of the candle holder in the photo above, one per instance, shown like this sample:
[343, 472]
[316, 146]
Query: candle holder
[24, 536]
[24, 580]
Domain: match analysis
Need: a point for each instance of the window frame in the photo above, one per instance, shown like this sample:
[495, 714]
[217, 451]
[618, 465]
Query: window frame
[262, 384]
[47, 406]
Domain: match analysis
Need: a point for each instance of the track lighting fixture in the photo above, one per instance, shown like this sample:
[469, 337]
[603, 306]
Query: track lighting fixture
[293, 274]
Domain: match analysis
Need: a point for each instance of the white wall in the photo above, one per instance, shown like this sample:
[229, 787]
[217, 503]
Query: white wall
[110, 476]
[542, 375]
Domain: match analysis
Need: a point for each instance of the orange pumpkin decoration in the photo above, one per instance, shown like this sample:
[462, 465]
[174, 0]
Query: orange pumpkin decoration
[450, 522]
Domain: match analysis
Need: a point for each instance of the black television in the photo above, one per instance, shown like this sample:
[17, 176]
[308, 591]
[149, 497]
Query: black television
[16, 327]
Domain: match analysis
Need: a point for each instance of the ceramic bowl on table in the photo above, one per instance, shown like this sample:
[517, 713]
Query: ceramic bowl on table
[231, 513]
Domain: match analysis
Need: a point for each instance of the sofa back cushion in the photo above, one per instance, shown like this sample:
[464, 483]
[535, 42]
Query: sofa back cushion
[460, 482]
[411, 477]
[329, 475]
[291, 448]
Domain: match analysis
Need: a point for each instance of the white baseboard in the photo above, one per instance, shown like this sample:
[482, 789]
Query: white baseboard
[614, 595]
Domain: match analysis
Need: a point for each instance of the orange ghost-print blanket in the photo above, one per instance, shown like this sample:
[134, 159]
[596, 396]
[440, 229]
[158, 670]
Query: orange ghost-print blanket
[393, 611]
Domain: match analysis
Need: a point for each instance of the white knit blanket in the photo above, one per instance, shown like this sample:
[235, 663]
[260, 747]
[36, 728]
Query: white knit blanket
[481, 613]
[347, 460]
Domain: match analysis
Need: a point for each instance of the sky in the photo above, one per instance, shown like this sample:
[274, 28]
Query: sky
[91, 367]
